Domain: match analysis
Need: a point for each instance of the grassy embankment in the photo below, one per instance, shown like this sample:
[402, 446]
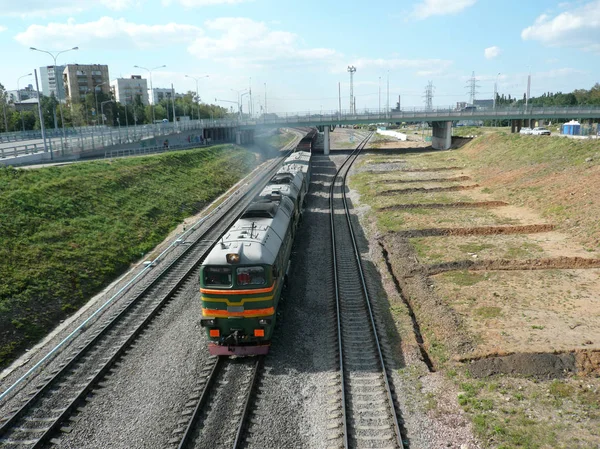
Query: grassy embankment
[560, 180]
[66, 232]
[277, 140]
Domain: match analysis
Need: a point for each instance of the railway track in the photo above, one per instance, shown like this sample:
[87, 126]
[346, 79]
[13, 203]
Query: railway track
[68, 380]
[370, 418]
[216, 414]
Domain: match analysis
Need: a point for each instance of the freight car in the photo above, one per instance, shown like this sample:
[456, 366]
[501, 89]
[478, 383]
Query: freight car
[242, 277]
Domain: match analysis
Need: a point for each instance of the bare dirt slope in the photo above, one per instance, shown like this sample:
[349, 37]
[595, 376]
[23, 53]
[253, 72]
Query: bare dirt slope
[495, 247]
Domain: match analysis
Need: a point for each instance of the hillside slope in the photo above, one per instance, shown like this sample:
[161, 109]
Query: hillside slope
[66, 232]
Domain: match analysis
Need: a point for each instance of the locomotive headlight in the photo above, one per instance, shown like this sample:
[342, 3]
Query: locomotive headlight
[233, 258]
[264, 321]
[207, 322]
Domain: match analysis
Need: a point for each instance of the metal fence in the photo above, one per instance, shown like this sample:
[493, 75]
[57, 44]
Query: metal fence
[82, 140]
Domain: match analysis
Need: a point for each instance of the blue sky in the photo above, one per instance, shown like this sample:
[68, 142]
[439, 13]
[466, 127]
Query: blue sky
[301, 50]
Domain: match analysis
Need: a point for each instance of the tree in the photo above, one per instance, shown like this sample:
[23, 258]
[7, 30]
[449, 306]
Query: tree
[4, 106]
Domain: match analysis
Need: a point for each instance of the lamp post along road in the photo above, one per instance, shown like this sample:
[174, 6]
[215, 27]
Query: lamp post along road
[197, 94]
[54, 56]
[96, 98]
[19, 97]
[151, 88]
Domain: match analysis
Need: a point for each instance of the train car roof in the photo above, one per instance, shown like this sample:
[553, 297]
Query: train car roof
[256, 236]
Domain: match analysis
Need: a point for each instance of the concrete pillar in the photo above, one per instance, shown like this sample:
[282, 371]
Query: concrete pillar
[441, 138]
[326, 141]
[238, 137]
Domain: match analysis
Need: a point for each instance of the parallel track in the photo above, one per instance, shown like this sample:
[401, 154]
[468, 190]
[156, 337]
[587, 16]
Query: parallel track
[50, 404]
[221, 405]
[368, 409]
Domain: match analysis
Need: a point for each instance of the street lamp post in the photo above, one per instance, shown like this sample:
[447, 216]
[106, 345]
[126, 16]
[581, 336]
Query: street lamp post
[102, 108]
[151, 89]
[54, 56]
[96, 98]
[19, 97]
[197, 95]
[495, 95]
[239, 100]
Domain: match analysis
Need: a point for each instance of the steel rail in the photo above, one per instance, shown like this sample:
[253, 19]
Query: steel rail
[9, 424]
[253, 383]
[368, 302]
[337, 302]
[341, 174]
[189, 430]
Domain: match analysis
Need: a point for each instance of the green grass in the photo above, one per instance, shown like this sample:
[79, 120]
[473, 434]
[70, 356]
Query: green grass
[488, 312]
[475, 247]
[277, 140]
[66, 232]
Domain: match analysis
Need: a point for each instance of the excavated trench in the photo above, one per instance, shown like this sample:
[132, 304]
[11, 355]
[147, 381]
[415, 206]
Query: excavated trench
[507, 265]
[411, 313]
[410, 170]
[484, 230]
[402, 181]
[427, 190]
[458, 205]
[545, 365]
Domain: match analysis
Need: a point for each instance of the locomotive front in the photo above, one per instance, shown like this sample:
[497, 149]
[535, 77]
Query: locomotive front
[241, 281]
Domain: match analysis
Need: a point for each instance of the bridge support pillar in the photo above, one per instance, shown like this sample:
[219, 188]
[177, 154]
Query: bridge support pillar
[238, 137]
[441, 138]
[326, 141]
[515, 125]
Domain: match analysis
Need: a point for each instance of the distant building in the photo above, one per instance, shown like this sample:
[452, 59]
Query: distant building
[460, 105]
[484, 104]
[80, 79]
[51, 77]
[15, 96]
[127, 89]
[160, 94]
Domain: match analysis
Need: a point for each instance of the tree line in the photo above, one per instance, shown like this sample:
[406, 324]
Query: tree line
[84, 113]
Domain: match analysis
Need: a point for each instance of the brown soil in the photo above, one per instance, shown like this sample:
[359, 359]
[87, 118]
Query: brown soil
[487, 230]
[431, 169]
[427, 190]
[461, 204]
[527, 264]
[401, 181]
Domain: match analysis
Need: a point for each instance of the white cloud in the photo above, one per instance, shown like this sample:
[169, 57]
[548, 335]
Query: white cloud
[429, 8]
[241, 42]
[44, 8]
[107, 31]
[197, 3]
[491, 52]
[579, 27]
[3, 28]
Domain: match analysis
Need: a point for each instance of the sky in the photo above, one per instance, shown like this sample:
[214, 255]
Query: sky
[297, 53]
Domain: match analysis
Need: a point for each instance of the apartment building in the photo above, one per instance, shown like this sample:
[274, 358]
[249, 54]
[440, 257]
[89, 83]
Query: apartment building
[52, 81]
[128, 89]
[79, 79]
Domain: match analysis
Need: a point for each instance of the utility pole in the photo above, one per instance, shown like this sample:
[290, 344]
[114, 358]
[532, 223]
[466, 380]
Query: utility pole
[387, 106]
[37, 88]
[266, 110]
[340, 99]
[528, 88]
[379, 104]
[428, 96]
[472, 88]
[352, 70]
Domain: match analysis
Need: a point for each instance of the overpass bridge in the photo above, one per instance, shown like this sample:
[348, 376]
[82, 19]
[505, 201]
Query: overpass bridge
[83, 141]
[441, 118]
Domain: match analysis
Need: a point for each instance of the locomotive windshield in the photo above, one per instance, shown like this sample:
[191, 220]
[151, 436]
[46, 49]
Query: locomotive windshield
[250, 276]
[217, 276]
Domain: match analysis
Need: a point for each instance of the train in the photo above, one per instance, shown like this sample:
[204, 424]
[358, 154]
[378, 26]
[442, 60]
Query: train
[242, 277]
